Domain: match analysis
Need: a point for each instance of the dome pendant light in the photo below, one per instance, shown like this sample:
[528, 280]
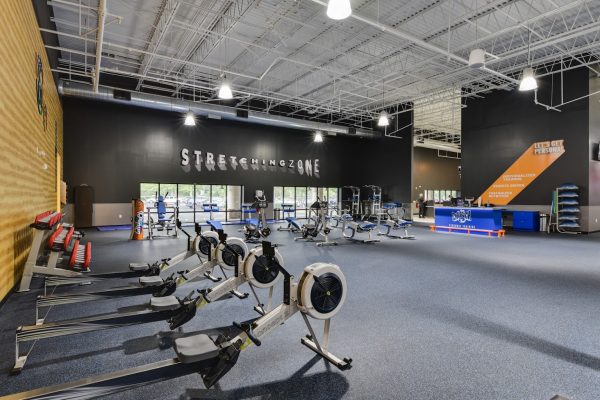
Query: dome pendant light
[339, 9]
[528, 81]
[383, 120]
[225, 92]
[190, 120]
[318, 137]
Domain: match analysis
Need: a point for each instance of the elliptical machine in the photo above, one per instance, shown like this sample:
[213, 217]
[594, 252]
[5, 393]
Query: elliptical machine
[318, 226]
[257, 228]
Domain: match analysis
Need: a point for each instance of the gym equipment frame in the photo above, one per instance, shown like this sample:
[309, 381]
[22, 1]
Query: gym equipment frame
[320, 293]
[162, 306]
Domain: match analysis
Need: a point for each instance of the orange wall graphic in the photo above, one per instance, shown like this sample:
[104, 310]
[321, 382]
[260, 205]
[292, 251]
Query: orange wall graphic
[535, 160]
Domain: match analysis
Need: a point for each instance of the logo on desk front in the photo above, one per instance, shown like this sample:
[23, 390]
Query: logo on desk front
[461, 216]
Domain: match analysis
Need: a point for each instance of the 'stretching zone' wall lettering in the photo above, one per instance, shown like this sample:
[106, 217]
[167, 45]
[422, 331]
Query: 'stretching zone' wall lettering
[212, 161]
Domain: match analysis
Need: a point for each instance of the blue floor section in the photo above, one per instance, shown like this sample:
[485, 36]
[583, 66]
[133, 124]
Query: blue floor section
[440, 317]
[108, 228]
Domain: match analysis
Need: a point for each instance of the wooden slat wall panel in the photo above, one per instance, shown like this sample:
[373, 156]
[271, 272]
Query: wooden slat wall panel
[27, 150]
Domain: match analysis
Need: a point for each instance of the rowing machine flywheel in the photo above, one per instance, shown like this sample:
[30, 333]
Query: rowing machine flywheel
[259, 271]
[204, 246]
[322, 290]
[226, 257]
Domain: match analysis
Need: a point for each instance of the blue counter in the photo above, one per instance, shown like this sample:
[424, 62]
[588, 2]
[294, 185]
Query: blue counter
[468, 220]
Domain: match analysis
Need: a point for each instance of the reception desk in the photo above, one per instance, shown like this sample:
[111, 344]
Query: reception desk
[485, 221]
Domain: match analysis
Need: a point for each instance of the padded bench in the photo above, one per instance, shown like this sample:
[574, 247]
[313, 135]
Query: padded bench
[215, 225]
[292, 221]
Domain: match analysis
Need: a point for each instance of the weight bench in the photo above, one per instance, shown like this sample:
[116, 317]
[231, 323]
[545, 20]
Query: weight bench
[390, 225]
[358, 227]
[215, 225]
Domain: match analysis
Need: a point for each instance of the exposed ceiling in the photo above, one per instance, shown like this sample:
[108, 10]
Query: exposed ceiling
[286, 57]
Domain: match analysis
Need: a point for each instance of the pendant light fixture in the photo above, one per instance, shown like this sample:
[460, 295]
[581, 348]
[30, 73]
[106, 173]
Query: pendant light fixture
[384, 119]
[339, 9]
[528, 81]
[318, 137]
[225, 92]
[190, 119]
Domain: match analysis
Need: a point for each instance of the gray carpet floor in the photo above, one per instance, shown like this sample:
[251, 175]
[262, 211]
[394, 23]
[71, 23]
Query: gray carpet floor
[440, 317]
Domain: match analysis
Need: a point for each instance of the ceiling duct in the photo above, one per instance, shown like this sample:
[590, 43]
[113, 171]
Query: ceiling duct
[81, 90]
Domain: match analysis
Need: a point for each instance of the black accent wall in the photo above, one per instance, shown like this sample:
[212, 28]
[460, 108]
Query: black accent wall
[433, 172]
[497, 129]
[113, 148]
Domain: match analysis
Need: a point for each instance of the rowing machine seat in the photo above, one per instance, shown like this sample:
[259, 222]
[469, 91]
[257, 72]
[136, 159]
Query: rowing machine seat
[195, 348]
[164, 303]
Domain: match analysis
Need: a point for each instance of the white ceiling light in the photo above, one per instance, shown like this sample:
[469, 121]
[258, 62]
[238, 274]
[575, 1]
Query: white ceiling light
[383, 120]
[339, 9]
[190, 119]
[528, 81]
[477, 58]
[225, 92]
[318, 137]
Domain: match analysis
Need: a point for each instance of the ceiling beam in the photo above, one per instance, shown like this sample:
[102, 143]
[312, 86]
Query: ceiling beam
[168, 10]
[99, 40]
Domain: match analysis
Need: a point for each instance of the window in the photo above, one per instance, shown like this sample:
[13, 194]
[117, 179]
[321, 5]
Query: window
[169, 192]
[301, 202]
[219, 197]
[277, 196]
[201, 198]
[303, 197]
[148, 193]
[332, 198]
[234, 203]
[185, 198]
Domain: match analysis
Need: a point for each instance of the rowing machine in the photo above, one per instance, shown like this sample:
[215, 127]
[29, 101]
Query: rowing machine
[320, 293]
[152, 284]
[230, 253]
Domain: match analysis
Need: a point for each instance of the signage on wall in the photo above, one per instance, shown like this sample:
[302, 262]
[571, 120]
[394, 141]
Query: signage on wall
[212, 161]
[535, 160]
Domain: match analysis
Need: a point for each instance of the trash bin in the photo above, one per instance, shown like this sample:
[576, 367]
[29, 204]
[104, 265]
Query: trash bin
[544, 218]
[277, 214]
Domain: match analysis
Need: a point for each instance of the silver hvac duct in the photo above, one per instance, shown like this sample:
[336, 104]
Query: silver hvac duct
[436, 145]
[81, 90]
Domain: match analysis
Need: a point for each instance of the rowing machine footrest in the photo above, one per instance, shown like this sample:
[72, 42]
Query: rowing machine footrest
[186, 312]
[195, 348]
[227, 358]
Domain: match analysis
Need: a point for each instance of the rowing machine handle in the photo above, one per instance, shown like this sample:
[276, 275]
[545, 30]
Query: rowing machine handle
[247, 328]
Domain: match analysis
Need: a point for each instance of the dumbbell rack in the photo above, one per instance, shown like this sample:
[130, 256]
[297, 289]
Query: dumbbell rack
[565, 210]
